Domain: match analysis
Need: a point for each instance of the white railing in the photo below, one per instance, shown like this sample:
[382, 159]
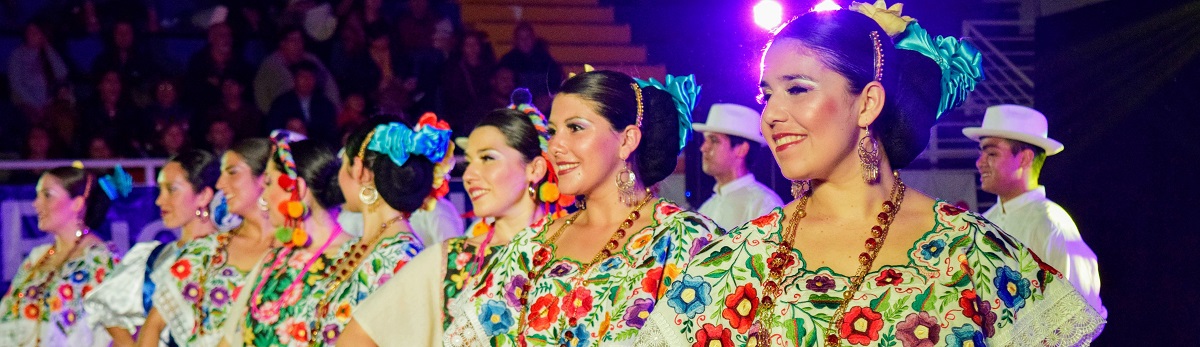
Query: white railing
[1006, 82]
[940, 148]
[148, 166]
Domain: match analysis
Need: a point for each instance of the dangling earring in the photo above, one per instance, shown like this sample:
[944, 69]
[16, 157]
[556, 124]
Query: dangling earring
[626, 180]
[262, 204]
[800, 187]
[532, 192]
[369, 195]
[869, 157]
[202, 212]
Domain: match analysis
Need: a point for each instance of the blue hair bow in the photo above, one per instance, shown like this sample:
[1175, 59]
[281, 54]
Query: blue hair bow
[117, 184]
[397, 141]
[684, 92]
[961, 63]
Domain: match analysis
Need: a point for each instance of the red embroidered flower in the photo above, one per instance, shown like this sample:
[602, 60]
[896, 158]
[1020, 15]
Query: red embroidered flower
[100, 274]
[712, 335]
[541, 257]
[780, 260]
[87, 288]
[969, 302]
[888, 276]
[668, 209]
[66, 291]
[651, 282]
[740, 308]
[861, 325]
[765, 220]
[544, 311]
[577, 303]
[951, 210]
[32, 311]
[487, 285]
[399, 265]
[298, 331]
[182, 269]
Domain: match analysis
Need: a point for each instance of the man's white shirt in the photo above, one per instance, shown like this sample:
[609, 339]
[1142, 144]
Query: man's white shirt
[739, 201]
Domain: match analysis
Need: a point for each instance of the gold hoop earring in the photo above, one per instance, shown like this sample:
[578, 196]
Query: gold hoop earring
[532, 193]
[869, 157]
[626, 180]
[368, 195]
[262, 204]
[202, 212]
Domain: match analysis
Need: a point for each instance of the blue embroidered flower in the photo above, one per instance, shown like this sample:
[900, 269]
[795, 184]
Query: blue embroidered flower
[576, 336]
[662, 248]
[80, 276]
[965, 335]
[1012, 288]
[496, 318]
[933, 249]
[689, 295]
[610, 264]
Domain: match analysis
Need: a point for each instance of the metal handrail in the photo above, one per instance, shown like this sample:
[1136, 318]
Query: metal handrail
[1008, 83]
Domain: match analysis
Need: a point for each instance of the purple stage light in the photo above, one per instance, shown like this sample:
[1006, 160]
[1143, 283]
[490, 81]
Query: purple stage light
[827, 5]
[768, 14]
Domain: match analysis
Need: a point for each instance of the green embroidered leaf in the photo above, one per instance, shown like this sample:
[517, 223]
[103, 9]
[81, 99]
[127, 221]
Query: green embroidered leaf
[881, 299]
[923, 301]
[755, 265]
[716, 274]
[624, 335]
[820, 301]
[960, 241]
[719, 257]
[959, 279]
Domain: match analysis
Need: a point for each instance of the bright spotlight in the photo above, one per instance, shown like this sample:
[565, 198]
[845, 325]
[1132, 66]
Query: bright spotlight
[827, 5]
[768, 14]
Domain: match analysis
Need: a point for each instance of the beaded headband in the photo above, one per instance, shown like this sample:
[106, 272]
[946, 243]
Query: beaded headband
[637, 92]
[878, 56]
[547, 191]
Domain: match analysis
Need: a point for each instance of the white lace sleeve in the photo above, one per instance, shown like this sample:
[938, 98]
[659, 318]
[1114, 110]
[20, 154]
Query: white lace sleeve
[660, 330]
[117, 302]
[465, 329]
[176, 311]
[1063, 319]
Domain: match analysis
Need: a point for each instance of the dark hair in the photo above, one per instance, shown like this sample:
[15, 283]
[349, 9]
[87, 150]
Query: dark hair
[1039, 154]
[842, 40]
[613, 95]
[403, 187]
[318, 166]
[306, 66]
[78, 182]
[751, 146]
[202, 168]
[255, 152]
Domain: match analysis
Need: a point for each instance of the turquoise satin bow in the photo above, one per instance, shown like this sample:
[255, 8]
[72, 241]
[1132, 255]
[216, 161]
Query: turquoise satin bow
[684, 92]
[397, 141]
[961, 63]
[118, 184]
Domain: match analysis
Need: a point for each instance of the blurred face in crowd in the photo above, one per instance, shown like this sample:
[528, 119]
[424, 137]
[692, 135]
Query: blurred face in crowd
[306, 82]
[503, 82]
[123, 35]
[38, 143]
[231, 89]
[220, 135]
[166, 94]
[98, 148]
[241, 187]
[56, 209]
[110, 87]
[173, 138]
[472, 48]
[220, 35]
[524, 39]
[34, 37]
[292, 46]
[296, 125]
[177, 199]
[355, 103]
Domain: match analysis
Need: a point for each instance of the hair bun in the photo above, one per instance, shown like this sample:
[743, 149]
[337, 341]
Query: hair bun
[521, 96]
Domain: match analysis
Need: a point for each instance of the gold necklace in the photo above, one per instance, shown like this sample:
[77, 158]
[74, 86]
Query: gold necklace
[614, 241]
[783, 257]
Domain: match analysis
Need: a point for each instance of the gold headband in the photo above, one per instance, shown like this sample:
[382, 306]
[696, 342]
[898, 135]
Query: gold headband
[362, 149]
[637, 92]
[878, 56]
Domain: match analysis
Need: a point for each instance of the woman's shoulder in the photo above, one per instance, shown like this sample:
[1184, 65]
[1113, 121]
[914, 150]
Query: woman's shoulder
[668, 215]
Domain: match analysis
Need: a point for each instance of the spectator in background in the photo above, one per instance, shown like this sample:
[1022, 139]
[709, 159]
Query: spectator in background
[466, 82]
[62, 117]
[33, 70]
[219, 136]
[275, 77]
[421, 33]
[532, 64]
[502, 83]
[236, 110]
[417, 26]
[100, 147]
[166, 108]
[307, 104]
[123, 54]
[112, 115]
[171, 140]
[39, 144]
[207, 68]
[354, 113]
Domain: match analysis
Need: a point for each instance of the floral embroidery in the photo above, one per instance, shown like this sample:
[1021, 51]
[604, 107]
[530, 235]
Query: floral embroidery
[918, 330]
[740, 308]
[712, 335]
[861, 326]
[56, 301]
[1013, 289]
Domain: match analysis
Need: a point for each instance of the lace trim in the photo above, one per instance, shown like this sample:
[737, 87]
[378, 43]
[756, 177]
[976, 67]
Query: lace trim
[177, 312]
[465, 329]
[1064, 319]
[660, 331]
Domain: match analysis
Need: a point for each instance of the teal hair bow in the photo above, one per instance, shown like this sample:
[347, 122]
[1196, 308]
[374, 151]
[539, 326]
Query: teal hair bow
[117, 184]
[684, 91]
[397, 141]
[961, 63]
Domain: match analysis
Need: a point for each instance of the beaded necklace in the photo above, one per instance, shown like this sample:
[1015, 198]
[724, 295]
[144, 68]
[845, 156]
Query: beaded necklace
[41, 292]
[343, 268]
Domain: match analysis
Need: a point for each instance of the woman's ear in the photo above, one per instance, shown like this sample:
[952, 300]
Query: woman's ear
[536, 169]
[869, 104]
[630, 138]
[206, 197]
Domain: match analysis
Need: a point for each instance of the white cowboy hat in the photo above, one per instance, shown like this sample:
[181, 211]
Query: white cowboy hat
[1015, 122]
[733, 119]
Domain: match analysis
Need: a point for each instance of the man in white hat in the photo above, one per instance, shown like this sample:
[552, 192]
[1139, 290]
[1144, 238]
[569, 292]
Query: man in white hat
[1013, 145]
[730, 136]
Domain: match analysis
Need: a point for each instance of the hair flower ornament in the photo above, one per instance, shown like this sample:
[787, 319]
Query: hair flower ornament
[118, 184]
[684, 91]
[547, 192]
[430, 138]
[291, 233]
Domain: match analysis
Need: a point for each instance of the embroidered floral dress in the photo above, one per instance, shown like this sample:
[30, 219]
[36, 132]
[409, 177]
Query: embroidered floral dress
[200, 282]
[604, 304]
[58, 319]
[460, 264]
[966, 284]
[125, 299]
[313, 315]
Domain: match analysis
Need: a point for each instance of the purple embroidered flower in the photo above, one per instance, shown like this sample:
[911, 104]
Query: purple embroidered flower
[68, 317]
[698, 244]
[560, 270]
[819, 284]
[191, 292]
[919, 330]
[330, 334]
[636, 315]
[515, 290]
[31, 292]
[228, 272]
[219, 296]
